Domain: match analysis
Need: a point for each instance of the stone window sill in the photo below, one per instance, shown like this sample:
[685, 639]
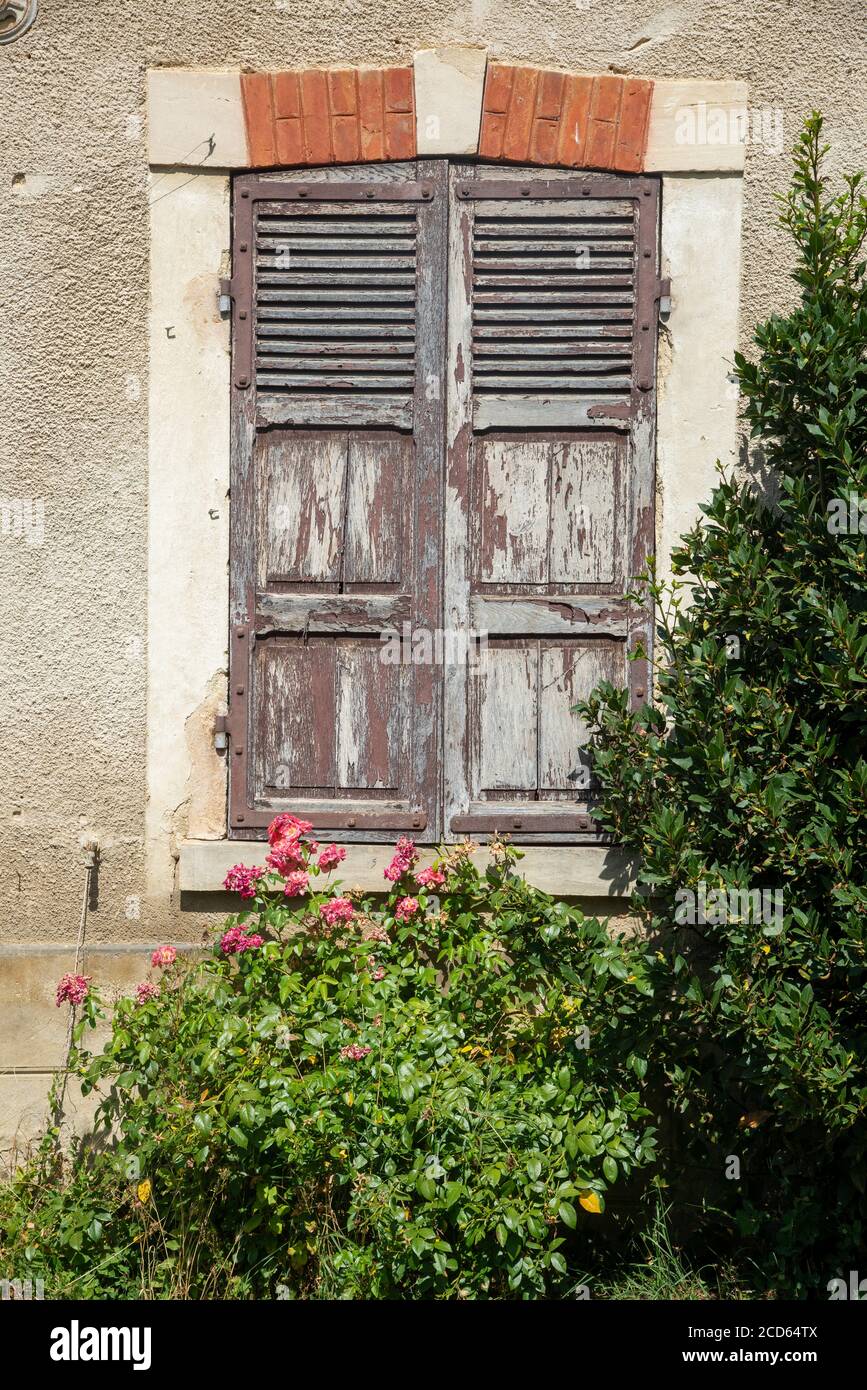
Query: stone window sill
[579, 871]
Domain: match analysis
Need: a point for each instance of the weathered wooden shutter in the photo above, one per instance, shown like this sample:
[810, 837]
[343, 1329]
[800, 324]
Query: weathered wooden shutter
[338, 341]
[549, 503]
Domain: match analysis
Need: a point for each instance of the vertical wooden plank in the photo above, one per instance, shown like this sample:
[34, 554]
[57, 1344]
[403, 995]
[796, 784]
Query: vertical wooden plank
[586, 522]
[429, 405]
[379, 484]
[369, 718]
[567, 674]
[300, 501]
[296, 743]
[506, 718]
[459, 444]
[513, 507]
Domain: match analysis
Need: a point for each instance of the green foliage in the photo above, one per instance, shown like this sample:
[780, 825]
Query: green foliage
[464, 1150]
[750, 774]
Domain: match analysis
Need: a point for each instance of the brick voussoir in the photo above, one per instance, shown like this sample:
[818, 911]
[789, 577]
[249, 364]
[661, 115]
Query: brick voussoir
[318, 116]
[576, 120]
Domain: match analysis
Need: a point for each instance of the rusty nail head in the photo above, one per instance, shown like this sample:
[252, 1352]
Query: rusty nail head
[647, 255]
[243, 246]
[525, 192]
[238, 752]
[240, 634]
[243, 381]
[239, 818]
[239, 689]
[640, 692]
[517, 825]
[351, 822]
[302, 192]
[245, 192]
[585, 192]
[426, 192]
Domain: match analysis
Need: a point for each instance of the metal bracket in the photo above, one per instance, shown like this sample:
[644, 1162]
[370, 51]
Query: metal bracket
[224, 298]
[663, 298]
[221, 733]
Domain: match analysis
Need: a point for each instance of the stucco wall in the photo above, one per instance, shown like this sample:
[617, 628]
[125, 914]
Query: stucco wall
[76, 325]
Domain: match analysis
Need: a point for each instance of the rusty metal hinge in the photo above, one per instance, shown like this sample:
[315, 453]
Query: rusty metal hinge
[224, 298]
[663, 297]
[221, 733]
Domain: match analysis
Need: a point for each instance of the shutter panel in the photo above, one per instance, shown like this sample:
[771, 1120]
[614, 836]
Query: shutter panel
[549, 502]
[338, 342]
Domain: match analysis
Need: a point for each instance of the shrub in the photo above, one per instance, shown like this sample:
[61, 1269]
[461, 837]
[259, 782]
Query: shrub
[424, 1097]
[751, 774]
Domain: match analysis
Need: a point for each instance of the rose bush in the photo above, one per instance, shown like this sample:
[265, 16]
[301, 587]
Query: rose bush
[413, 1096]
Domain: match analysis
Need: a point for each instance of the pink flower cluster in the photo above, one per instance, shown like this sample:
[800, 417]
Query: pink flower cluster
[406, 909]
[330, 857]
[287, 829]
[243, 880]
[296, 883]
[404, 859]
[72, 989]
[164, 956]
[237, 940]
[337, 910]
[354, 1052]
[286, 860]
[146, 991]
[430, 878]
[376, 971]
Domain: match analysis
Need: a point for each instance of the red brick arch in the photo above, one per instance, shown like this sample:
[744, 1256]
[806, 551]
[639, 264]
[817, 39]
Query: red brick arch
[529, 115]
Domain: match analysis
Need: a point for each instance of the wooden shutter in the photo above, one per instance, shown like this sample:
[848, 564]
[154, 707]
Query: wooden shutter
[549, 502]
[338, 340]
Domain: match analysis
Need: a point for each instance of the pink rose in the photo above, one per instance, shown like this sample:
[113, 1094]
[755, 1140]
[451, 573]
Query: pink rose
[286, 859]
[164, 956]
[430, 878]
[406, 908]
[242, 880]
[337, 910]
[331, 856]
[354, 1052]
[236, 940]
[404, 858]
[287, 829]
[145, 991]
[296, 884]
[72, 989]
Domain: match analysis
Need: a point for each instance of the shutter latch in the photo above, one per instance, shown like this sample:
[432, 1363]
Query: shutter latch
[663, 297]
[221, 733]
[224, 298]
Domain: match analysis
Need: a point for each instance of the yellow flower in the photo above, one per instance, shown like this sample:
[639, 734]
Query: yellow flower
[144, 1190]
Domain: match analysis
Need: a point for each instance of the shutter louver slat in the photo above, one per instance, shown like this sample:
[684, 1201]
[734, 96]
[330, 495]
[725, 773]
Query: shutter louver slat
[335, 288]
[539, 274]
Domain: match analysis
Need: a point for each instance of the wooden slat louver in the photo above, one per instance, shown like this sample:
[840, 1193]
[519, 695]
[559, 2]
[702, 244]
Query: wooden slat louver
[335, 300]
[553, 300]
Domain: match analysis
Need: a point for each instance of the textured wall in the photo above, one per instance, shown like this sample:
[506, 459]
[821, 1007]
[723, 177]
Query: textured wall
[74, 334]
